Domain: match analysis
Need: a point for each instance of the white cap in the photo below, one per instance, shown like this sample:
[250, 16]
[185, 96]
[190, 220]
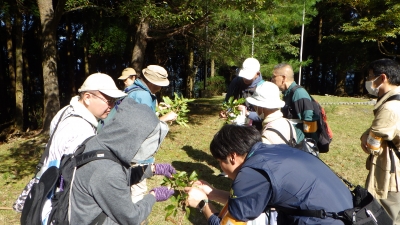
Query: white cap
[103, 83]
[251, 66]
[267, 95]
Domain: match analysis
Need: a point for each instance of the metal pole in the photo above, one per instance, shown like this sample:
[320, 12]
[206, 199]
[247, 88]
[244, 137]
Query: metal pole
[252, 42]
[301, 45]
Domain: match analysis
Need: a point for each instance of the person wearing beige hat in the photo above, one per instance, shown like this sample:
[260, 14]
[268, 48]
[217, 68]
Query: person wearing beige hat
[128, 76]
[145, 87]
[267, 103]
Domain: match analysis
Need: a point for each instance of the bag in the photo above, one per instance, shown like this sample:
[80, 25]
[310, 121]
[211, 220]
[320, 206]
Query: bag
[324, 131]
[19, 203]
[366, 211]
[55, 183]
[308, 145]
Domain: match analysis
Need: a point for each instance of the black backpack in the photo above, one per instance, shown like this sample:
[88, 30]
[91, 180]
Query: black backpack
[324, 131]
[57, 182]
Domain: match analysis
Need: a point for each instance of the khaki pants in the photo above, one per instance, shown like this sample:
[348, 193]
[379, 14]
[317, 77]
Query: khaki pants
[392, 206]
[138, 191]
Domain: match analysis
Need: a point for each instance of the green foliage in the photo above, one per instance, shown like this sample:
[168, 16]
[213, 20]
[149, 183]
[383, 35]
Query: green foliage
[177, 182]
[179, 106]
[230, 107]
[215, 85]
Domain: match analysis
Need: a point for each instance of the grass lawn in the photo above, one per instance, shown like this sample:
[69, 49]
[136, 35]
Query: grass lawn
[187, 149]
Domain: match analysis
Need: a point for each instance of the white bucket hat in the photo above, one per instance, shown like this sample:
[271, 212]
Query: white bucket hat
[103, 83]
[267, 95]
[156, 75]
[250, 67]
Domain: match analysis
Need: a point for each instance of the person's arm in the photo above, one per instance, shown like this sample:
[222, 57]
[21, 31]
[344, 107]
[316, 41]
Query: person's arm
[304, 108]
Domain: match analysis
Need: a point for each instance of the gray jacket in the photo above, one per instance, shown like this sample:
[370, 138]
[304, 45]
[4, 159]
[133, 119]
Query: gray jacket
[104, 185]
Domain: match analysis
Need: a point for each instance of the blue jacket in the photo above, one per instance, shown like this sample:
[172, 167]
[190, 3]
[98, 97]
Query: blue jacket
[281, 176]
[141, 94]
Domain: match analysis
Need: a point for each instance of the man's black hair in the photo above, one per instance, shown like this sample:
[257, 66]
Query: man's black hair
[386, 66]
[234, 139]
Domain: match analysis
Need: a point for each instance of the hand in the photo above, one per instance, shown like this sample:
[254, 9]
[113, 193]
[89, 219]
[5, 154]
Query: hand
[163, 105]
[162, 193]
[164, 169]
[363, 140]
[204, 186]
[222, 114]
[171, 116]
[195, 196]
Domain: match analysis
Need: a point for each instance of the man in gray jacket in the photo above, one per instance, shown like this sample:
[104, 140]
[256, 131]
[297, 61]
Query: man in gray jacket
[101, 188]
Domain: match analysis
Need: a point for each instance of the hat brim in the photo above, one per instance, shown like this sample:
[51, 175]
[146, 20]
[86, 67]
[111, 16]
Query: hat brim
[247, 74]
[113, 93]
[266, 104]
[158, 82]
[124, 77]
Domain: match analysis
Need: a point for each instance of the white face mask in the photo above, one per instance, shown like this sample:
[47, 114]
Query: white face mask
[370, 89]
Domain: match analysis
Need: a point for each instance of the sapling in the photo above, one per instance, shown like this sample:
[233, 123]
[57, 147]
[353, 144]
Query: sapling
[178, 105]
[178, 182]
[230, 107]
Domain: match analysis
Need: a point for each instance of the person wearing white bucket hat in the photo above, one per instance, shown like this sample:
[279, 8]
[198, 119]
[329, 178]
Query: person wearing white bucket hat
[267, 102]
[244, 86]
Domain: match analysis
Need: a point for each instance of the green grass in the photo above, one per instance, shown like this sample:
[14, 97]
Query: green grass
[187, 149]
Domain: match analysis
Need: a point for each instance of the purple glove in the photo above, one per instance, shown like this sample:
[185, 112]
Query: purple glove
[162, 193]
[164, 169]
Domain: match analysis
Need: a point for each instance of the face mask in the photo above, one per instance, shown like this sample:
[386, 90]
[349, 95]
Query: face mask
[370, 89]
[262, 116]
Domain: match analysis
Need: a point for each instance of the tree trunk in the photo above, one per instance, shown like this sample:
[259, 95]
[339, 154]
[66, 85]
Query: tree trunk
[140, 45]
[190, 73]
[11, 61]
[70, 60]
[341, 83]
[19, 87]
[212, 67]
[49, 18]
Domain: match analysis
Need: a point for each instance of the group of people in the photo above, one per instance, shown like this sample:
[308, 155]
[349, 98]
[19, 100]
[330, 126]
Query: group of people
[267, 173]
[125, 123]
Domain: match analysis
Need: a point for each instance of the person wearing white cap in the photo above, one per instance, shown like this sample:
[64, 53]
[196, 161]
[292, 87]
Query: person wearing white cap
[79, 120]
[244, 86]
[267, 103]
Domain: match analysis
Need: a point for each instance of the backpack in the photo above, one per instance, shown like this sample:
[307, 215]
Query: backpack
[325, 133]
[307, 144]
[56, 183]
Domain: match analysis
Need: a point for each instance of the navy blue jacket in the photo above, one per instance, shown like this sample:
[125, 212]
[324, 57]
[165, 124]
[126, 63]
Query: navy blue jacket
[278, 175]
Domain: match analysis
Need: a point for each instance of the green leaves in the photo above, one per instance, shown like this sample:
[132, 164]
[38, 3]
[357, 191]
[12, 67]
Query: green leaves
[178, 182]
[230, 107]
[178, 105]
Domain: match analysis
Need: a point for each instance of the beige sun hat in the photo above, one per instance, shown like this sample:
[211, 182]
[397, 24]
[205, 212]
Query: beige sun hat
[103, 83]
[250, 67]
[127, 72]
[156, 75]
[267, 95]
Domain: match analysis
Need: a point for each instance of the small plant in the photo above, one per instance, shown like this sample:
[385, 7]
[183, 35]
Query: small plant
[230, 107]
[178, 105]
[178, 182]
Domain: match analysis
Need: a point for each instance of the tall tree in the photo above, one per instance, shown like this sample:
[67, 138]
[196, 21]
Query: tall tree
[49, 17]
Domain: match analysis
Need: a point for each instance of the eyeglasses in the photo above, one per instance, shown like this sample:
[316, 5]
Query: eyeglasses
[108, 102]
[274, 76]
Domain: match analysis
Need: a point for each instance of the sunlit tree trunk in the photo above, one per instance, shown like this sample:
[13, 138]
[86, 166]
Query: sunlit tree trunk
[19, 89]
[140, 46]
[49, 18]
[212, 67]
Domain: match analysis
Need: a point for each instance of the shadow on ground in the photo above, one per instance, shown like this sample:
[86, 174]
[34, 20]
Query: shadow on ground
[22, 159]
